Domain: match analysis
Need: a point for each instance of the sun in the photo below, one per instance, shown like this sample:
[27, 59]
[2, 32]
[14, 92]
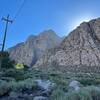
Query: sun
[77, 21]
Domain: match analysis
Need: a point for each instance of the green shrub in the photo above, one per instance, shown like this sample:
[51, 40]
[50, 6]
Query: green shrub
[4, 87]
[5, 62]
[14, 94]
[86, 93]
[94, 92]
[22, 85]
[89, 81]
[78, 95]
[19, 66]
[58, 94]
[15, 87]
[72, 96]
[16, 74]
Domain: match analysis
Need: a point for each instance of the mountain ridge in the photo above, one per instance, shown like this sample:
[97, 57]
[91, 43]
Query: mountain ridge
[34, 47]
[80, 48]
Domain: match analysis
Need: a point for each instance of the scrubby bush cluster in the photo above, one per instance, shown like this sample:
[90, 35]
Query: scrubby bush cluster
[5, 62]
[17, 82]
[86, 93]
[14, 89]
[14, 81]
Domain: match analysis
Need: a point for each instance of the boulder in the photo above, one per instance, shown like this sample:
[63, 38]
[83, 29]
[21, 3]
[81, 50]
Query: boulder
[74, 85]
[45, 84]
[40, 98]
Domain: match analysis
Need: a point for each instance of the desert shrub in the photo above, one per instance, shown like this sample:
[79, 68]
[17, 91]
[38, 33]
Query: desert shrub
[4, 87]
[59, 79]
[5, 62]
[89, 81]
[19, 96]
[78, 95]
[16, 86]
[72, 96]
[61, 83]
[58, 94]
[16, 74]
[86, 93]
[94, 92]
[22, 74]
[19, 66]
[22, 85]
[13, 94]
[33, 73]
[7, 79]
[13, 88]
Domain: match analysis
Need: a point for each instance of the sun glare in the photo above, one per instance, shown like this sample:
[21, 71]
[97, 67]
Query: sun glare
[75, 21]
[79, 20]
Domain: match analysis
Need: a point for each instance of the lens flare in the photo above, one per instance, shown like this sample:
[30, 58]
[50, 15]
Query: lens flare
[79, 19]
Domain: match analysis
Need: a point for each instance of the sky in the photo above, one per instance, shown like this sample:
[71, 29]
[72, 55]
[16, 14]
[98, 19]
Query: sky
[62, 16]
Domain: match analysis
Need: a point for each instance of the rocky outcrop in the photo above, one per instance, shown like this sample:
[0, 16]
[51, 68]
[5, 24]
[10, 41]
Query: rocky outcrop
[74, 86]
[40, 98]
[45, 85]
[80, 48]
[34, 47]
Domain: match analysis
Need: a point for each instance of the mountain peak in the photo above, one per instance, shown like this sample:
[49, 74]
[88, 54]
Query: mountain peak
[35, 47]
[31, 37]
[48, 33]
[80, 49]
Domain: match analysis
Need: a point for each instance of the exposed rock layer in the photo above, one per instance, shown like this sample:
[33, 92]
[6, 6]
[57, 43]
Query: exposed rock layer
[35, 46]
[80, 48]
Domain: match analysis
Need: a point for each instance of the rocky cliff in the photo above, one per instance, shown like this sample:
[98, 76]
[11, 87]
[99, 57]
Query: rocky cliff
[34, 47]
[80, 48]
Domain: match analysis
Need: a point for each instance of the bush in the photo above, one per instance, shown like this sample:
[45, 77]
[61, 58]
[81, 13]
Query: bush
[89, 81]
[5, 62]
[19, 66]
[58, 94]
[13, 87]
[81, 95]
[87, 93]
[94, 92]
[4, 87]
[14, 94]
[13, 73]
[22, 85]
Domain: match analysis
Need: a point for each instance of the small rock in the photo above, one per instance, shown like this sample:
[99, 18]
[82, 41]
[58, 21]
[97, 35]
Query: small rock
[31, 94]
[40, 98]
[74, 85]
[45, 85]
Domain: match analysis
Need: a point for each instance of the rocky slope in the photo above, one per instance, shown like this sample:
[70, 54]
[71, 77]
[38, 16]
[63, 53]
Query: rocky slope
[34, 47]
[80, 48]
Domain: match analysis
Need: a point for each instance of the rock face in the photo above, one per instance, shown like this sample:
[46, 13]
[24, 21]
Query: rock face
[75, 85]
[35, 46]
[45, 85]
[40, 98]
[80, 48]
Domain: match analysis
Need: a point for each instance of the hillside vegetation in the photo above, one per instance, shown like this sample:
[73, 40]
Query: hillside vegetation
[20, 84]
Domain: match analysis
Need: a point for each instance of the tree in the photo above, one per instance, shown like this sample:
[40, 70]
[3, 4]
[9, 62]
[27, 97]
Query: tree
[5, 62]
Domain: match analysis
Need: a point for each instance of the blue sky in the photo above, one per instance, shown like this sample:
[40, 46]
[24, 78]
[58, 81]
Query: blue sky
[38, 15]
